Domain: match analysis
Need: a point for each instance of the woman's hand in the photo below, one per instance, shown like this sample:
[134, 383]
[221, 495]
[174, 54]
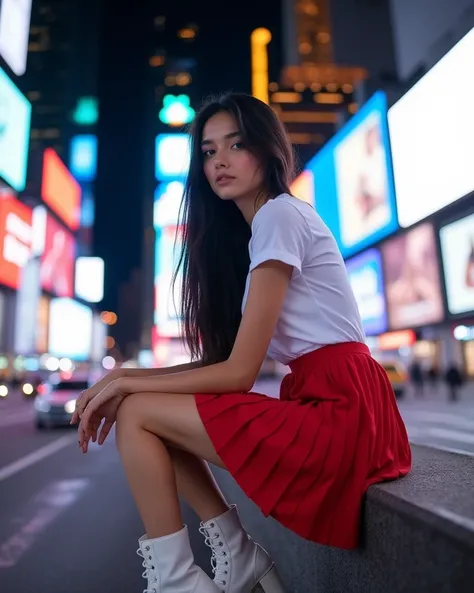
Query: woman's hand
[103, 406]
[94, 390]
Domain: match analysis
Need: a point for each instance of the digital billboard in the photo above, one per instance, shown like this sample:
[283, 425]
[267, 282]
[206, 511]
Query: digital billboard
[42, 325]
[83, 157]
[15, 116]
[26, 306]
[431, 132]
[412, 282]
[172, 156]
[60, 191]
[366, 278]
[87, 208]
[70, 329]
[303, 187]
[14, 33]
[167, 298]
[57, 260]
[89, 283]
[16, 236]
[353, 180]
[457, 248]
[168, 198]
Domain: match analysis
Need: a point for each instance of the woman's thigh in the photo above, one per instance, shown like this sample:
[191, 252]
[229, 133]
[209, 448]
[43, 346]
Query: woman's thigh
[174, 418]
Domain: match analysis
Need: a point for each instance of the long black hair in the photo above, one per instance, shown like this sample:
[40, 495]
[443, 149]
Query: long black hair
[215, 258]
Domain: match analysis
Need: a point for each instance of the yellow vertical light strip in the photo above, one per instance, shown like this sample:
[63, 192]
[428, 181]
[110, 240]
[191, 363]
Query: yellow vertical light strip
[259, 40]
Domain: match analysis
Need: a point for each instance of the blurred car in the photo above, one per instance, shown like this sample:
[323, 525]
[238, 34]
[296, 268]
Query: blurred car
[4, 389]
[397, 376]
[31, 388]
[57, 402]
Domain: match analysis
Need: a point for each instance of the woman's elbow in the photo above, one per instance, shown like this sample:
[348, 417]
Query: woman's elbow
[243, 379]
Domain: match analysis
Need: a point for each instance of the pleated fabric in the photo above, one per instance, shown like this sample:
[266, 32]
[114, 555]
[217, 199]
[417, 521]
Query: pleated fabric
[307, 458]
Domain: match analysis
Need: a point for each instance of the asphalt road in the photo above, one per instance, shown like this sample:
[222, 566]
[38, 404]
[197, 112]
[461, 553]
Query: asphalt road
[68, 522]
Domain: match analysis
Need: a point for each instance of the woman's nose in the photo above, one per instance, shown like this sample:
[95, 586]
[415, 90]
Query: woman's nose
[220, 162]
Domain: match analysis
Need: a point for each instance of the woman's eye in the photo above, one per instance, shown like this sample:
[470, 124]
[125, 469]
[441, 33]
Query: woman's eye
[208, 153]
[238, 145]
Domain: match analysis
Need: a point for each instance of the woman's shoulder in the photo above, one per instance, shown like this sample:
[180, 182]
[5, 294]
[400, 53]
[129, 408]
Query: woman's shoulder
[285, 209]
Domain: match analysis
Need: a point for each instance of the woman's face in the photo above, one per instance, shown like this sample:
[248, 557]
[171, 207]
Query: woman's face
[232, 171]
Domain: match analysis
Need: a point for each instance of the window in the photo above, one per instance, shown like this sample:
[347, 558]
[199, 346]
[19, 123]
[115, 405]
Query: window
[34, 95]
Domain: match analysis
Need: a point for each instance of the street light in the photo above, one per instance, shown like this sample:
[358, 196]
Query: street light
[259, 40]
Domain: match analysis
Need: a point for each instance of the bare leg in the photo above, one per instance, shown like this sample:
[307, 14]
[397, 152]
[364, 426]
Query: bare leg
[141, 434]
[151, 478]
[197, 486]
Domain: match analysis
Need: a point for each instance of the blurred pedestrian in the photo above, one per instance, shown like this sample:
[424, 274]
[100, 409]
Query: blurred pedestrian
[454, 381]
[417, 378]
[262, 274]
[433, 377]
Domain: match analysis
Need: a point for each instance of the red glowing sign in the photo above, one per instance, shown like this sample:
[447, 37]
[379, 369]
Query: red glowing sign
[60, 191]
[15, 239]
[57, 261]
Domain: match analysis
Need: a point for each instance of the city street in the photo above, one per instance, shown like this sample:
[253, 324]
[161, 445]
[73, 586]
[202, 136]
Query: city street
[67, 520]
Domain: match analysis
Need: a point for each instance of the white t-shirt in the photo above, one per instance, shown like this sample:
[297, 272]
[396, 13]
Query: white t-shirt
[319, 307]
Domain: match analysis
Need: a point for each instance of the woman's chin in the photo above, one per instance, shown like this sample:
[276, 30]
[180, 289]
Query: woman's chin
[227, 193]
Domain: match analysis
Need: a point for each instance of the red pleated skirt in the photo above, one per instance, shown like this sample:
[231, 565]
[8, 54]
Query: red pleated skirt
[307, 458]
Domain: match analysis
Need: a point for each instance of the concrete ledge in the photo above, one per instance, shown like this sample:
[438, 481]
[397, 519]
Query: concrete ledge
[418, 535]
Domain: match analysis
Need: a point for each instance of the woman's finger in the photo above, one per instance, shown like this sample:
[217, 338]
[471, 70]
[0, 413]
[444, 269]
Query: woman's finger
[81, 403]
[104, 432]
[89, 409]
[95, 423]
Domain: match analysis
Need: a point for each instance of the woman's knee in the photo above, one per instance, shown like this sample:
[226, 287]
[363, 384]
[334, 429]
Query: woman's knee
[128, 416]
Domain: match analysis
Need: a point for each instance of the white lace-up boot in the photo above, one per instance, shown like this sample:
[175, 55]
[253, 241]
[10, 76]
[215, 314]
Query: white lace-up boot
[169, 565]
[239, 564]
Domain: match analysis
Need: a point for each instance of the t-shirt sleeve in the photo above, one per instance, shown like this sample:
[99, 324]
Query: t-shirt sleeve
[279, 232]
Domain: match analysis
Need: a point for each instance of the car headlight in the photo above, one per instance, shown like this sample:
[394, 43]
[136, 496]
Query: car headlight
[70, 406]
[41, 405]
[27, 388]
[3, 391]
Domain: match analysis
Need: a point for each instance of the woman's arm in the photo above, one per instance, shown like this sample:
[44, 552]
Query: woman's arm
[267, 290]
[121, 374]
[179, 368]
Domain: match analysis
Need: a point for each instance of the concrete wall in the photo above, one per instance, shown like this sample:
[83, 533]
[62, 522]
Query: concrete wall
[418, 535]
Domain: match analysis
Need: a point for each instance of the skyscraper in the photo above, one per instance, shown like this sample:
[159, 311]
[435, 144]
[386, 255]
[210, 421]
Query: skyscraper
[314, 94]
[62, 68]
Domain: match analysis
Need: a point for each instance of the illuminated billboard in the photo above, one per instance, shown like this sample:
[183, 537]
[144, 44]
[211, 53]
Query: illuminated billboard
[60, 191]
[457, 248]
[431, 132]
[353, 180]
[42, 325]
[15, 116]
[412, 282]
[14, 33]
[365, 275]
[167, 297]
[177, 110]
[168, 198]
[303, 187]
[70, 329]
[172, 154]
[16, 236]
[89, 283]
[57, 261]
[83, 157]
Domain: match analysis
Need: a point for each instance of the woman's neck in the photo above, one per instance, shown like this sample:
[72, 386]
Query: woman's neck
[249, 206]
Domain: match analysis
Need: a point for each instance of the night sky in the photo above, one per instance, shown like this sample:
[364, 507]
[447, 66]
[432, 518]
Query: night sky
[128, 116]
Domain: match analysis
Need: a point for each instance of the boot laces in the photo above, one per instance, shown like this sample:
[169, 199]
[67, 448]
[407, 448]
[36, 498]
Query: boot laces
[219, 557]
[149, 572]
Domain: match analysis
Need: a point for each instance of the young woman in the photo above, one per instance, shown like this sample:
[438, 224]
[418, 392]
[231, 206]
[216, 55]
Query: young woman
[262, 274]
